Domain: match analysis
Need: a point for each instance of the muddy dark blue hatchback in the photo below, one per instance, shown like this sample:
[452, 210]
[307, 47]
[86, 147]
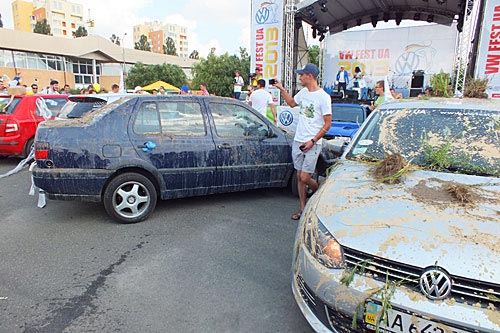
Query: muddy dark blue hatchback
[132, 151]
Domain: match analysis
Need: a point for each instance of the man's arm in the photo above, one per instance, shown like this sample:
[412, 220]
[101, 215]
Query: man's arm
[327, 118]
[273, 110]
[286, 96]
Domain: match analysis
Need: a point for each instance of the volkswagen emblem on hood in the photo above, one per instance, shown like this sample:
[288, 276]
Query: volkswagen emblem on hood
[435, 284]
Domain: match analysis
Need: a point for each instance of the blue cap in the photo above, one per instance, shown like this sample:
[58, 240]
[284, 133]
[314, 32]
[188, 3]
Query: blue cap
[309, 69]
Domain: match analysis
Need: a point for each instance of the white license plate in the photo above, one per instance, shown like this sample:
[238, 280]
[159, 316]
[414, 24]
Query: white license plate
[401, 321]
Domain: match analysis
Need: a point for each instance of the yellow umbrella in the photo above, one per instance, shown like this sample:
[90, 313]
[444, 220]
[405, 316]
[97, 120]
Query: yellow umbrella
[157, 84]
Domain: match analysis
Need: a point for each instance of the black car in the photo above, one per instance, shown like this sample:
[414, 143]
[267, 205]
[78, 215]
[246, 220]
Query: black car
[129, 152]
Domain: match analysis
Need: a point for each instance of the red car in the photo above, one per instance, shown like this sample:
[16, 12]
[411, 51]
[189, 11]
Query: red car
[19, 118]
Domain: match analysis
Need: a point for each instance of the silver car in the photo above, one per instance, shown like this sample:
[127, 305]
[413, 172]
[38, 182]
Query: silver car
[404, 235]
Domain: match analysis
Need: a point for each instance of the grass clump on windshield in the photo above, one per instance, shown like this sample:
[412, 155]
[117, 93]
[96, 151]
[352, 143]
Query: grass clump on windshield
[391, 169]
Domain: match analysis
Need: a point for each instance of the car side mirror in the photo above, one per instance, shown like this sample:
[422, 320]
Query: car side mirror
[336, 146]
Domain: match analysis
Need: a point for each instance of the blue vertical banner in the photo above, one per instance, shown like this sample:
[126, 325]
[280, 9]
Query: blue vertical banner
[266, 40]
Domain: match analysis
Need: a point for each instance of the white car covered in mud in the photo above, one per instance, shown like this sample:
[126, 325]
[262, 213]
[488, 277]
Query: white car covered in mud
[404, 235]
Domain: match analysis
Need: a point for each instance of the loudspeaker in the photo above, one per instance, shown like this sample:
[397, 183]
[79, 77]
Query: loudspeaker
[417, 79]
[414, 92]
[336, 95]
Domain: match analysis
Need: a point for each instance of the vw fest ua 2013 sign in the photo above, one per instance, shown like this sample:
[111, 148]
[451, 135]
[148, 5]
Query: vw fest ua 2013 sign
[266, 32]
[488, 57]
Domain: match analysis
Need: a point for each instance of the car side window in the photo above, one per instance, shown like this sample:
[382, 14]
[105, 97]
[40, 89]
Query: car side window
[181, 118]
[53, 104]
[233, 120]
[147, 121]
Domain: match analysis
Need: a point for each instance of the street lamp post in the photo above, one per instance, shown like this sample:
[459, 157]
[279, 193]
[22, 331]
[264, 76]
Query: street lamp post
[122, 84]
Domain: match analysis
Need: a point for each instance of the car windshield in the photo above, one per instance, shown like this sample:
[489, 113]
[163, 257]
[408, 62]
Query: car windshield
[8, 105]
[455, 140]
[347, 114]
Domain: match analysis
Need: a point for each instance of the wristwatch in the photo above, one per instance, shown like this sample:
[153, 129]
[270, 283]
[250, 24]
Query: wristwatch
[313, 141]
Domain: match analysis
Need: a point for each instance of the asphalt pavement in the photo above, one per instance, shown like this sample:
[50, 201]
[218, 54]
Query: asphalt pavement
[218, 263]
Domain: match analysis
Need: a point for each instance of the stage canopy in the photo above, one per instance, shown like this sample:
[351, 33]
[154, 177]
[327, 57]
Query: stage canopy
[338, 15]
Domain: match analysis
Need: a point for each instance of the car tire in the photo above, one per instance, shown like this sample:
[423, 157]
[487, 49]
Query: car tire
[130, 198]
[30, 144]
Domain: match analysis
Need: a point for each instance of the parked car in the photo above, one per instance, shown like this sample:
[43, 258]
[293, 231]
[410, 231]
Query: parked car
[19, 119]
[78, 105]
[346, 120]
[414, 249]
[129, 152]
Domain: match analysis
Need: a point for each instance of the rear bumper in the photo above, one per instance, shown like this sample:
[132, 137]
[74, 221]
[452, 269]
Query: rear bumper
[72, 184]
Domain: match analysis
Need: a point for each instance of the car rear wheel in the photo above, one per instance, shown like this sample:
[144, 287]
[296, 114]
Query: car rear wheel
[28, 147]
[130, 198]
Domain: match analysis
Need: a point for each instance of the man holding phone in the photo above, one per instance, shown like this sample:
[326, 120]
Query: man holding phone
[315, 119]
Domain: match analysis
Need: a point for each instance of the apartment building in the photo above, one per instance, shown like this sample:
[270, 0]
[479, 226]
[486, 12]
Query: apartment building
[157, 34]
[64, 17]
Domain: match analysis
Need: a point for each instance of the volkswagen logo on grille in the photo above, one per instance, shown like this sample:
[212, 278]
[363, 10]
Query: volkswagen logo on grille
[435, 284]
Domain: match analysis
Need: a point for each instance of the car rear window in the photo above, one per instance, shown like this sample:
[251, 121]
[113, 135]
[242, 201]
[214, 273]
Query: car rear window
[347, 114]
[9, 105]
[76, 108]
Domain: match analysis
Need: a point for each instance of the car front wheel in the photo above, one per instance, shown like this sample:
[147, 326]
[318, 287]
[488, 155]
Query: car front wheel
[130, 198]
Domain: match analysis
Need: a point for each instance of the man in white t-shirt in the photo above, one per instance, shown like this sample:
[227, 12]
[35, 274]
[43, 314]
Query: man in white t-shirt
[237, 84]
[315, 119]
[261, 98]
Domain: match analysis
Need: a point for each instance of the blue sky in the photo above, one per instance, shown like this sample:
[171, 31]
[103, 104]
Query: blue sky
[223, 24]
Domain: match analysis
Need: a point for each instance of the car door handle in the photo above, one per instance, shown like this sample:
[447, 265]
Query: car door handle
[224, 146]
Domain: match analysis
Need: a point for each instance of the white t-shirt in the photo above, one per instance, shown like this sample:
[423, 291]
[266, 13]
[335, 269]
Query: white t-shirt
[313, 106]
[238, 79]
[260, 99]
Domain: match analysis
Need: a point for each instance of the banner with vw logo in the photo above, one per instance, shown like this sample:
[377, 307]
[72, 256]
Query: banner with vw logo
[393, 53]
[266, 40]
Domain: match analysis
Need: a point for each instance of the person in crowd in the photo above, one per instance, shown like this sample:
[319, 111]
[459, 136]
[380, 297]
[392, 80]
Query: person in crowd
[379, 90]
[257, 76]
[90, 89]
[342, 80]
[34, 88]
[261, 99]
[396, 95]
[139, 90]
[250, 91]
[204, 90]
[162, 90]
[53, 89]
[184, 89]
[315, 119]
[237, 84]
[360, 83]
[155, 91]
[65, 90]
[115, 89]
[3, 88]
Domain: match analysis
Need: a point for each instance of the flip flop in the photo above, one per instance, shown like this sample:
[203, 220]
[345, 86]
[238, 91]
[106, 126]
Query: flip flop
[296, 216]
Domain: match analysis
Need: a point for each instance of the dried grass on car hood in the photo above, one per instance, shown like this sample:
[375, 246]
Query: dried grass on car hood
[390, 169]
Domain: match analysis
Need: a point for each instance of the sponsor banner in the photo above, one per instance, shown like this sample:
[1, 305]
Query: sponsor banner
[394, 53]
[288, 118]
[488, 55]
[266, 41]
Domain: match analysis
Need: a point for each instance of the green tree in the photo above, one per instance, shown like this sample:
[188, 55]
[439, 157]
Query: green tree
[115, 39]
[194, 55]
[313, 52]
[169, 47]
[80, 32]
[141, 75]
[218, 71]
[143, 44]
[42, 27]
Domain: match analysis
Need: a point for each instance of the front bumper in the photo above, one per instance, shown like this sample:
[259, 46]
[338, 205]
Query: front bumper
[329, 306]
[71, 184]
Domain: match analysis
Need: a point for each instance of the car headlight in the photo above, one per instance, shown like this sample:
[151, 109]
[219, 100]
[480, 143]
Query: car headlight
[321, 244]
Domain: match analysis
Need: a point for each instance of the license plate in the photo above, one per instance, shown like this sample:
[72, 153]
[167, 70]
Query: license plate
[402, 321]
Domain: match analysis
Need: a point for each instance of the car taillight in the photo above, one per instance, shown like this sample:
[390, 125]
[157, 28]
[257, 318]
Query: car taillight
[11, 128]
[41, 150]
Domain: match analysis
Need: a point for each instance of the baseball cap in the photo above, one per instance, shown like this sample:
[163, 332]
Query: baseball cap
[309, 69]
[137, 89]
